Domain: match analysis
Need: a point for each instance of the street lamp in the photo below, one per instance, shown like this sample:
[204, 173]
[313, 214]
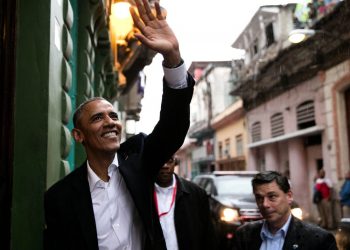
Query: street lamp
[121, 23]
[125, 46]
[121, 26]
[299, 35]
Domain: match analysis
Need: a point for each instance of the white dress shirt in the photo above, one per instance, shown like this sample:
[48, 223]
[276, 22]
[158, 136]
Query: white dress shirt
[166, 207]
[118, 223]
[273, 241]
[176, 77]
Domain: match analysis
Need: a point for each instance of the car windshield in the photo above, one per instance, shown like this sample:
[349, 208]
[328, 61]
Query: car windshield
[233, 185]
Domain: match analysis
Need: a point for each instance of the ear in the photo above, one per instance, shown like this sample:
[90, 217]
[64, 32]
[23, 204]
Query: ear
[290, 197]
[78, 135]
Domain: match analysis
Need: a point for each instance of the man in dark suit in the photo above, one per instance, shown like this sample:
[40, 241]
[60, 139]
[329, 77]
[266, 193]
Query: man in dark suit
[279, 229]
[183, 211]
[107, 203]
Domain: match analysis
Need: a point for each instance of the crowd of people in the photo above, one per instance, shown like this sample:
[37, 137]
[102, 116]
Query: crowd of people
[127, 196]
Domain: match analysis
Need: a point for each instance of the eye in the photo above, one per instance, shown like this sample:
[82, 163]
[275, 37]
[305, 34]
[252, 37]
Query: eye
[272, 197]
[114, 116]
[97, 118]
[259, 199]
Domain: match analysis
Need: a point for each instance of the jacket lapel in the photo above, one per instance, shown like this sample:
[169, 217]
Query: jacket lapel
[181, 216]
[255, 241]
[82, 205]
[138, 187]
[292, 240]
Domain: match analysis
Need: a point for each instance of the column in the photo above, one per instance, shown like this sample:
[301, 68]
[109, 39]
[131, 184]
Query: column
[271, 157]
[299, 173]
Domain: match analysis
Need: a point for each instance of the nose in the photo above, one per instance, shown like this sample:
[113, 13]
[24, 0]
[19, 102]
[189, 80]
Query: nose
[266, 202]
[165, 167]
[108, 121]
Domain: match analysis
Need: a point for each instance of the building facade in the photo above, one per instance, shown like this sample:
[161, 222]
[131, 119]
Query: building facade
[230, 138]
[215, 115]
[296, 107]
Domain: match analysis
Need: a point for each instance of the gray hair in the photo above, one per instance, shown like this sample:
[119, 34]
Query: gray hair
[79, 110]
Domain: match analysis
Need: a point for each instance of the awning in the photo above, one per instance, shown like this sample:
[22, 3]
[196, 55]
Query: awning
[299, 133]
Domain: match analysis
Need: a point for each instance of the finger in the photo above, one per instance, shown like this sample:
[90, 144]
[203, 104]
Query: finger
[148, 10]
[158, 11]
[142, 11]
[142, 38]
[137, 22]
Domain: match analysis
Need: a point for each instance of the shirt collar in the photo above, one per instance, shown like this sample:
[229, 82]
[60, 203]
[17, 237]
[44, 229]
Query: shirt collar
[93, 177]
[265, 232]
[165, 189]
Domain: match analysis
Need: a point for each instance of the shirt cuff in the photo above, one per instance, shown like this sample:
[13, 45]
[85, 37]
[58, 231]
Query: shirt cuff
[176, 78]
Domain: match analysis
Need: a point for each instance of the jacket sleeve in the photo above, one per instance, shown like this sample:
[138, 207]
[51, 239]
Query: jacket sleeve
[210, 241]
[171, 129]
[237, 239]
[53, 228]
[328, 242]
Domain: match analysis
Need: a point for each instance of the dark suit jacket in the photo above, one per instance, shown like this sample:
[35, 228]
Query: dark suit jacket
[70, 222]
[193, 225]
[300, 235]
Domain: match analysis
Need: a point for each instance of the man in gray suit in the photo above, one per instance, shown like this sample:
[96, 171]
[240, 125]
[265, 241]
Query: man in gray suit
[279, 229]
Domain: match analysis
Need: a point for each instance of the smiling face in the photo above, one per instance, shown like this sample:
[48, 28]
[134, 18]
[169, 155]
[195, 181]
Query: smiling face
[98, 128]
[273, 203]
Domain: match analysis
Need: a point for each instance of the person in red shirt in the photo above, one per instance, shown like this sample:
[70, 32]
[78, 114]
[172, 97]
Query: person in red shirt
[324, 185]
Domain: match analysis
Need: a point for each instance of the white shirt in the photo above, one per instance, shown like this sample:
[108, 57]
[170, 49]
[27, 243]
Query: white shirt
[176, 77]
[166, 206]
[324, 180]
[273, 241]
[118, 224]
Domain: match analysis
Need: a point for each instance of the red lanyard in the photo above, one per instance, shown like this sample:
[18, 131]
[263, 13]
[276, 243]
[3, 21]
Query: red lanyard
[171, 204]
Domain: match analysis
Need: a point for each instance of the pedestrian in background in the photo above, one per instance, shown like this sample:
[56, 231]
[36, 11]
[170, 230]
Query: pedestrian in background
[279, 229]
[345, 196]
[183, 211]
[324, 186]
[107, 202]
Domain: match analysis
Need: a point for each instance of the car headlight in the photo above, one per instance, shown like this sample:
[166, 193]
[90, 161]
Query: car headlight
[229, 215]
[297, 212]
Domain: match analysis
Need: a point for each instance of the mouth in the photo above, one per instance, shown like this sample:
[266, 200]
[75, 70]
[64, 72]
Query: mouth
[110, 134]
[269, 214]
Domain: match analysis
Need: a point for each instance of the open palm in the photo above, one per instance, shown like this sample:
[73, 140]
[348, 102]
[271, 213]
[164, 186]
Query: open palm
[154, 30]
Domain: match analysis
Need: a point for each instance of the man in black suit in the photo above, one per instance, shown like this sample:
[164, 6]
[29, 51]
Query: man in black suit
[107, 203]
[279, 229]
[183, 211]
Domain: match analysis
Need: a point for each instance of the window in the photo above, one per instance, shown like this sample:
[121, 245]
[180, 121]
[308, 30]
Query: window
[270, 36]
[220, 149]
[254, 47]
[239, 145]
[227, 147]
[256, 132]
[306, 115]
[277, 127]
[209, 187]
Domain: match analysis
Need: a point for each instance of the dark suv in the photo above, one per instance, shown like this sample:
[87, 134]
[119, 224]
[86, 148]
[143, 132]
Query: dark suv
[231, 199]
